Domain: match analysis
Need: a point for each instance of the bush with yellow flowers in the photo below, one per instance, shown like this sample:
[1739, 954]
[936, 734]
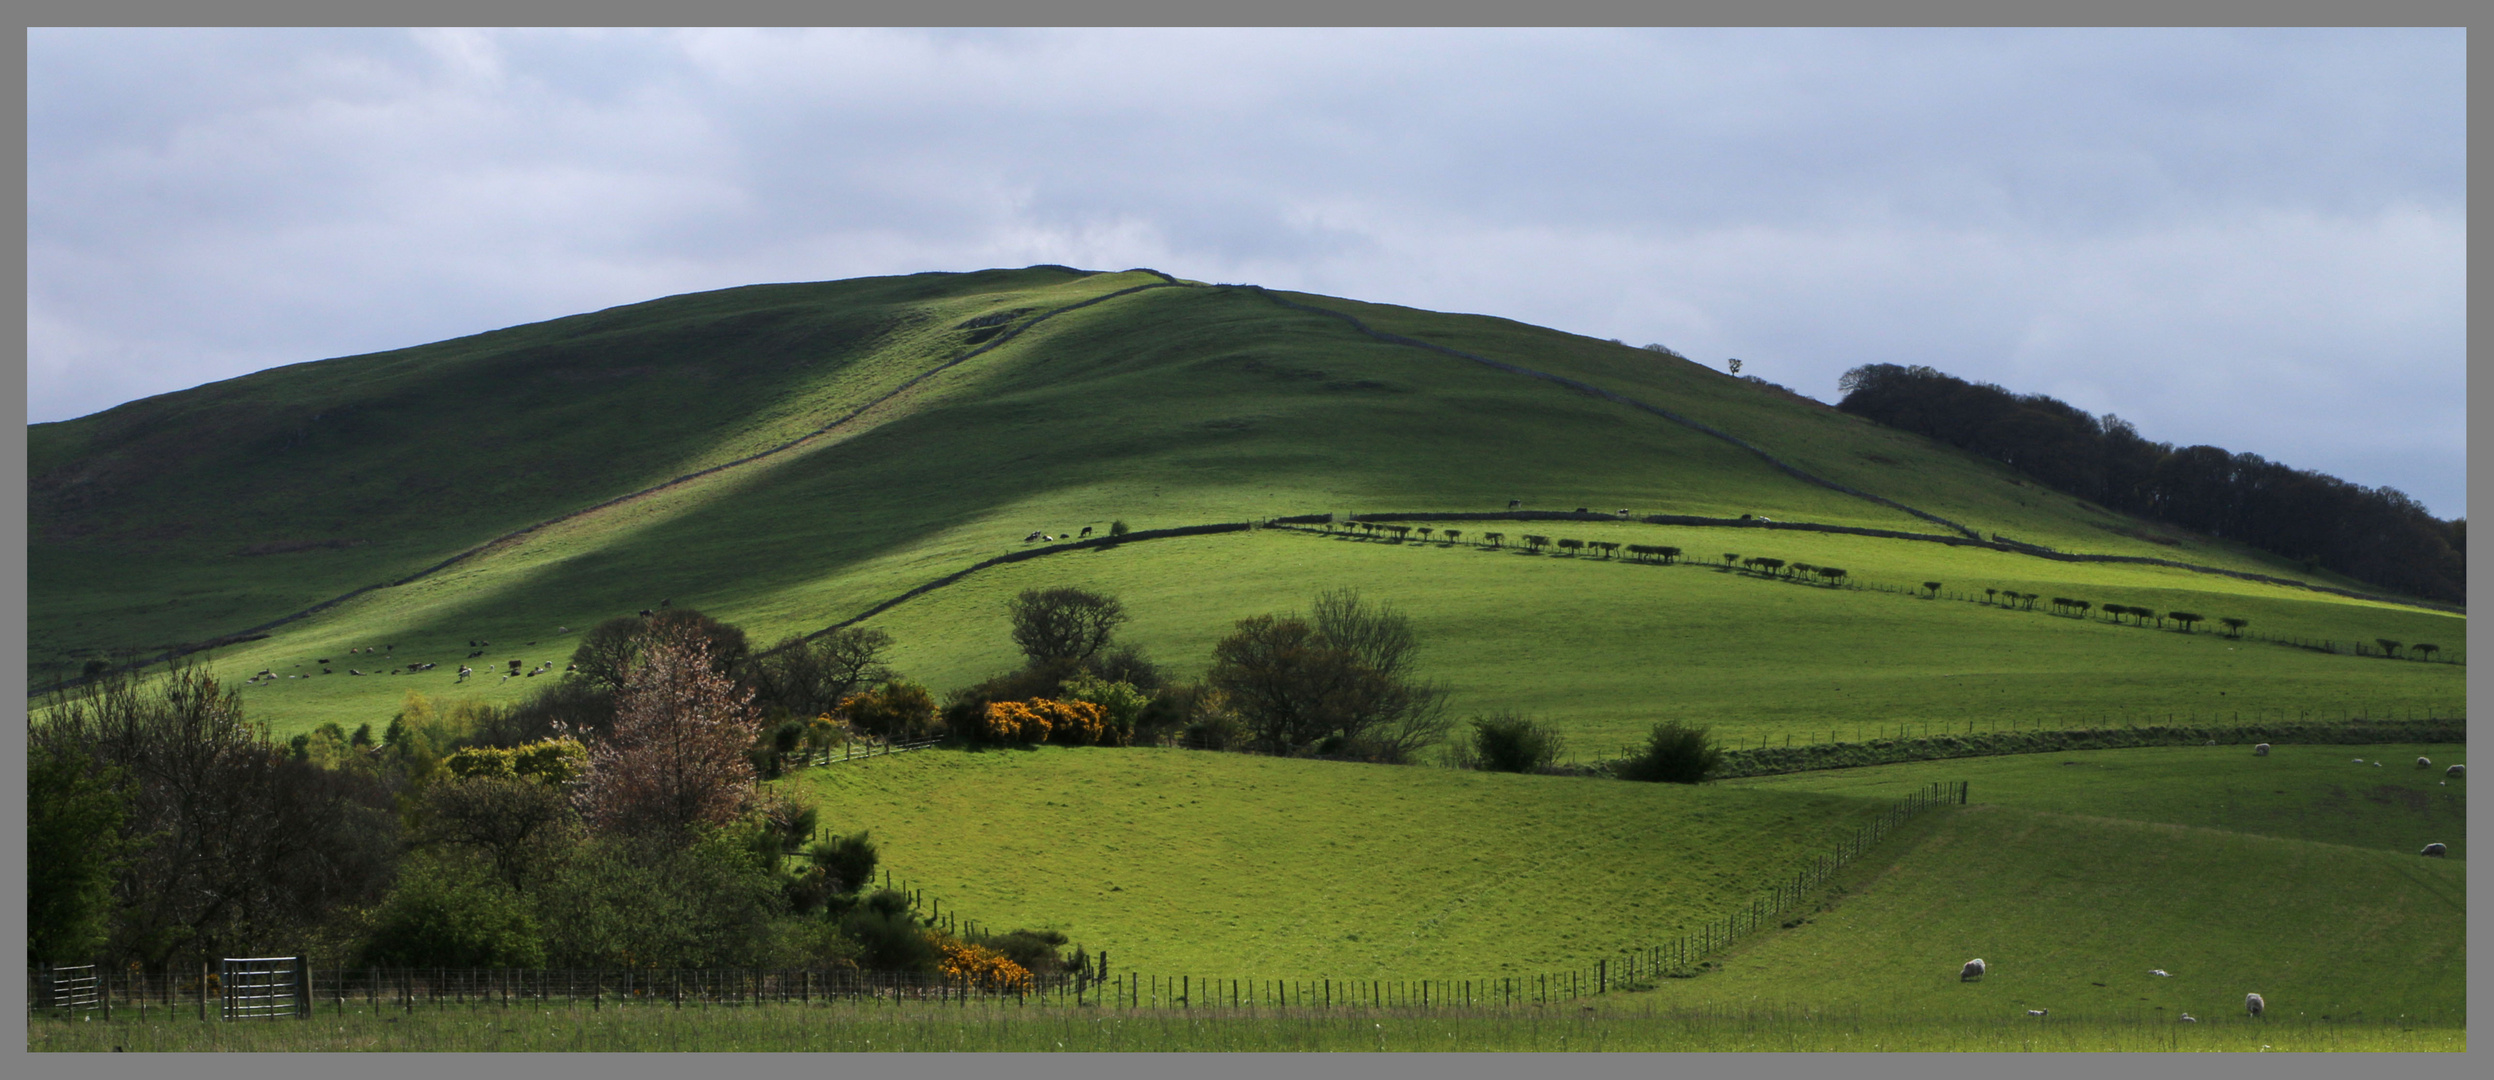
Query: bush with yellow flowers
[981, 967]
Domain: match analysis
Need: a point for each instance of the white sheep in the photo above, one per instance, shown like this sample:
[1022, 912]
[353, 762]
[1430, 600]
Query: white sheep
[2190, 1019]
[1972, 970]
[2435, 850]
[2038, 1012]
[2260, 750]
[2160, 973]
[2252, 1004]
[2424, 762]
[2456, 771]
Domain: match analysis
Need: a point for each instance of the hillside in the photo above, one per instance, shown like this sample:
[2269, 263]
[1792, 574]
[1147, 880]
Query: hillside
[1099, 397]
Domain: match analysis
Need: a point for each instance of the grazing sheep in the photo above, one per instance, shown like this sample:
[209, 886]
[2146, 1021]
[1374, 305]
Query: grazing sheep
[354, 671]
[1972, 970]
[2435, 850]
[2424, 762]
[2252, 1004]
[2160, 973]
[2190, 1019]
[2260, 750]
[2038, 1012]
[2456, 771]
[2358, 761]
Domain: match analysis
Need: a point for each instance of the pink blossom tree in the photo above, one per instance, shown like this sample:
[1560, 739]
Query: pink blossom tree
[676, 758]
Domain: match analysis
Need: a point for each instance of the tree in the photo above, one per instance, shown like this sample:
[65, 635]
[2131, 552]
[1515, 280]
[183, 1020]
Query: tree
[607, 652]
[2234, 626]
[1536, 543]
[676, 759]
[1343, 677]
[2424, 650]
[809, 678]
[75, 810]
[1453, 535]
[2389, 648]
[517, 824]
[1570, 546]
[1668, 554]
[1118, 528]
[849, 861]
[1064, 623]
[903, 710]
[1990, 594]
[2184, 617]
[1424, 534]
[1933, 586]
[1730, 556]
[1496, 539]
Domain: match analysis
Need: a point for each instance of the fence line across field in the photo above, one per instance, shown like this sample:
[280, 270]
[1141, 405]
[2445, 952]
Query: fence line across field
[272, 987]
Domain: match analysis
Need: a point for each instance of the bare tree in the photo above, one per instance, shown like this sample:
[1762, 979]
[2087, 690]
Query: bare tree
[1064, 623]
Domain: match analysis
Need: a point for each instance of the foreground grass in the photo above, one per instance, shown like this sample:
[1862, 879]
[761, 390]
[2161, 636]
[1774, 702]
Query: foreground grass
[2297, 792]
[1618, 1024]
[1216, 865]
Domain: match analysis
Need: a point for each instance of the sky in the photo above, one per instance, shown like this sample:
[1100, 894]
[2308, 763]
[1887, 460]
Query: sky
[2249, 239]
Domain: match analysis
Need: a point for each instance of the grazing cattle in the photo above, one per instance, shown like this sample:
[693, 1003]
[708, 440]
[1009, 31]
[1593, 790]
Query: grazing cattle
[2260, 750]
[1972, 970]
[322, 660]
[2252, 1004]
[2456, 771]
[2435, 851]
[666, 603]
[1086, 530]
[1033, 538]
[1514, 503]
[2424, 763]
[645, 613]
[465, 671]
[1582, 510]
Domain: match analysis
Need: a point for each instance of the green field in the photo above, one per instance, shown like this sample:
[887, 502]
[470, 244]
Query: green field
[1613, 1026]
[1228, 865]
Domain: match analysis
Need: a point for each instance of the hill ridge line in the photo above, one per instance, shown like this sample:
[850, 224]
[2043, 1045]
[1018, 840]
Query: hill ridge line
[262, 629]
[1607, 395]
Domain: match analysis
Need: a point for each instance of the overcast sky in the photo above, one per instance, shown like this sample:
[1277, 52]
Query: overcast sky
[2249, 239]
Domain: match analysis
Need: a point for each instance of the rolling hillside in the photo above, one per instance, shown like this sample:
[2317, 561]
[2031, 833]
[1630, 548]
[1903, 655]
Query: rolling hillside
[910, 427]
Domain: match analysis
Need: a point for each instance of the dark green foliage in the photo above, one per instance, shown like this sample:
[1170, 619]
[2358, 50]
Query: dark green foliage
[619, 902]
[1117, 528]
[2373, 534]
[899, 710]
[75, 810]
[1064, 623]
[1675, 753]
[1506, 742]
[1780, 759]
[849, 861]
[889, 937]
[1339, 684]
[450, 912]
[811, 678]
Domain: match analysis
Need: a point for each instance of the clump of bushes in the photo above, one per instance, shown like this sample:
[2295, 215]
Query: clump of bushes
[1506, 742]
[1674, 753]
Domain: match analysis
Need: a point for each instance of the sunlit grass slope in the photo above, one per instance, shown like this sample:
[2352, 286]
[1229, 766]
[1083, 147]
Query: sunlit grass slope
[2072, 913]
[1603, 648]
[2333, 794]
[141, 515]
[1207, 863]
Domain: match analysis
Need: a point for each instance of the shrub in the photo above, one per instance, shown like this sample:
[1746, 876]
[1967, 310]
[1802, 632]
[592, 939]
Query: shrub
[980, 967]
[849, 860]
[898, 710]
[446, 913]
[1074, 723]
[1034, 951]
[1506, 742]
[1121, 703]
[888, 937]
[1675, 753]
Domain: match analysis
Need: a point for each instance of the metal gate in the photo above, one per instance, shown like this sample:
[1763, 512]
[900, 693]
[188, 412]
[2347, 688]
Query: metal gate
[76, 988]
[264, 988]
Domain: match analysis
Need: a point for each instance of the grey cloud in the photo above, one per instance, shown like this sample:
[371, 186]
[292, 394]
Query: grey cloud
[2247, 238]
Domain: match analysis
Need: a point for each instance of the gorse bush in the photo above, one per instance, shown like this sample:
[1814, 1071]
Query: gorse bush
[1073, 723]
[1674, 753]
[1506, 742]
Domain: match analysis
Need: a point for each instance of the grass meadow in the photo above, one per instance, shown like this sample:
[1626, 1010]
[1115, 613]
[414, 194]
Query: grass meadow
[1618, 1024]
[1603, 648]
[1183, 862]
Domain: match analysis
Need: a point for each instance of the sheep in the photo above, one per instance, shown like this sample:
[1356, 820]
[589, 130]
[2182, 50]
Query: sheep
[2424, 762]
[2038, 1012]
[2260, 750]
[2435, 850]
[354, 671]
[2190, 1019]
[2456, 771]
[2160, 973]
[1973, 970]
[2357, 761]
[2252, 1004]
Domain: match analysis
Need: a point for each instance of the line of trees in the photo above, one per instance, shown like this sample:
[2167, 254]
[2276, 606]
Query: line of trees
[2372, 534]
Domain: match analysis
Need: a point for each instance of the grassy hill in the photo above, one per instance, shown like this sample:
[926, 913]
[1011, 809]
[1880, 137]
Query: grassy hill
[1093, 402]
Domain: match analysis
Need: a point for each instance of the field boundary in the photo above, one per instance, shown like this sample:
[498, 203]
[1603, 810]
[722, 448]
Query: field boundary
[1010, 333]
[1780, 760]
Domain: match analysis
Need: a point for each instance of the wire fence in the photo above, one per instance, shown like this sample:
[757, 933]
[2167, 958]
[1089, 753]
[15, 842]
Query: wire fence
[272, 987]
